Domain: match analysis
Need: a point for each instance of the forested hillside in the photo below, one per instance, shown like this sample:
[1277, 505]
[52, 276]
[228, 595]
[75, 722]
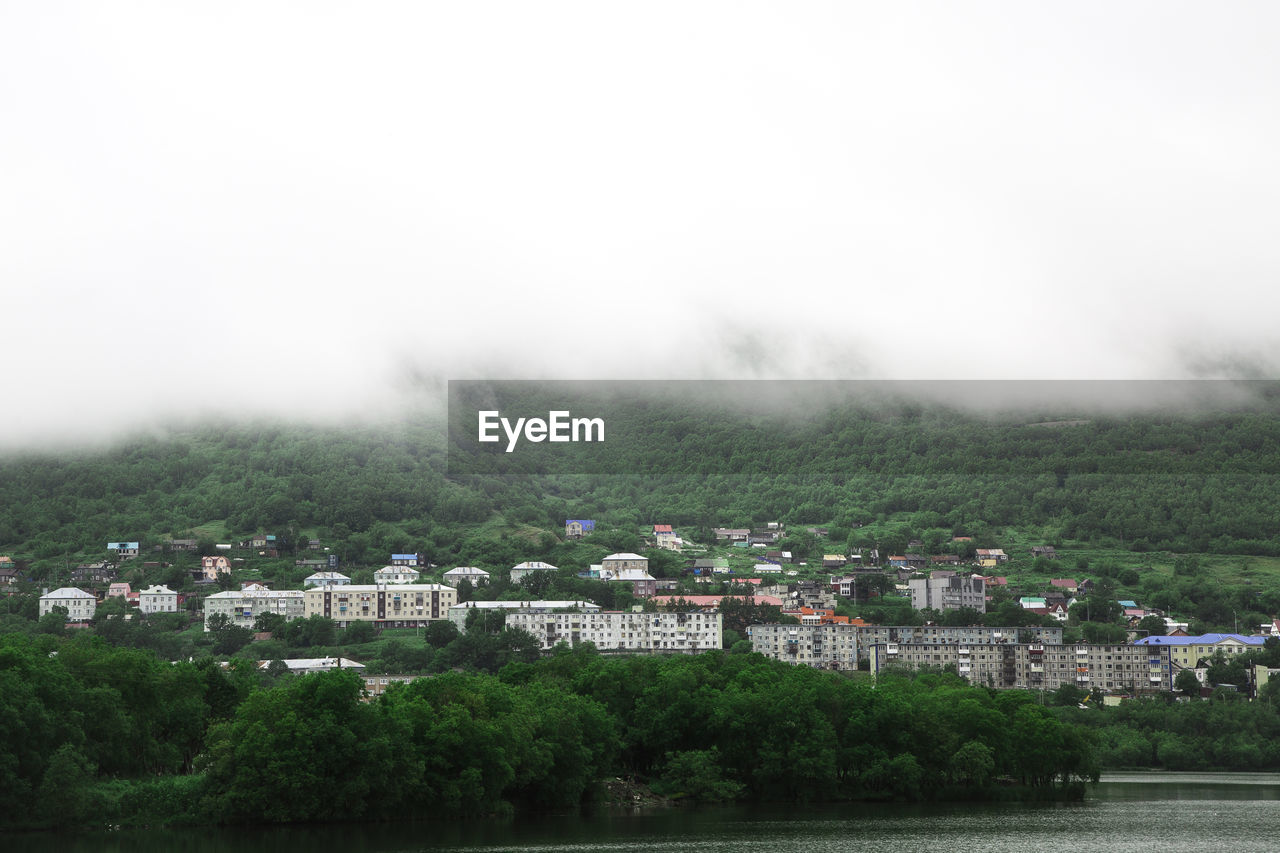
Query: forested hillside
[1201, 483]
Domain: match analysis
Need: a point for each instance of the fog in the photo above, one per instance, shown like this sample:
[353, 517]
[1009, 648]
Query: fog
[324, 211]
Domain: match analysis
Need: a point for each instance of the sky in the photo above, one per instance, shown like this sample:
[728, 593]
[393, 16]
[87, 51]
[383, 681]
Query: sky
[323, 210]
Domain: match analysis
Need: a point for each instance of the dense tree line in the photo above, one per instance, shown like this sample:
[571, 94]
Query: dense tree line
[96, 734]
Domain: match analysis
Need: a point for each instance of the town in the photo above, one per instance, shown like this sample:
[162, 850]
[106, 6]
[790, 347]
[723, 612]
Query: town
[967, 617]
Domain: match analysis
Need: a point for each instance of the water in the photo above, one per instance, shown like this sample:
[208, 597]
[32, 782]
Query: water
[1169, 812]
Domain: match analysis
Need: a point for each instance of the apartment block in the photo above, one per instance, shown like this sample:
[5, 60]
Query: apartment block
[836, 646]
[1038, 666]
[626, 631]
[401, 605]
[244, 606]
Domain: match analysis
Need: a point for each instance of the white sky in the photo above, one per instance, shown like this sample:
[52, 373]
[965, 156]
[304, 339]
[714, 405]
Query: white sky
[309, 208]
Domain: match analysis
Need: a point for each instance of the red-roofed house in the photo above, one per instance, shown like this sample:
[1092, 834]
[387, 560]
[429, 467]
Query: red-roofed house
[1066, 584]
[666, 538]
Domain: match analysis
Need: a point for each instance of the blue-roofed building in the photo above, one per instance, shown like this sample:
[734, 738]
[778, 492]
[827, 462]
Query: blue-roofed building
[1127, 604]
[576, 528]
[123, 550]
[413, 561]
[1187, 651]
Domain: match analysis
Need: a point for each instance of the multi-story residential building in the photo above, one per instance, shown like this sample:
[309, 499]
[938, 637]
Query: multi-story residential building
[458, 612]
[477, 577]
[840, 646]
[523, 570]
[243, 606]
[158, 599]
[630, 569]
[385, 605]
[624, 631]
[326, 578]
[396, 574]
[80, 604]
[1187, 651]
[1038, 666]
[948, 593]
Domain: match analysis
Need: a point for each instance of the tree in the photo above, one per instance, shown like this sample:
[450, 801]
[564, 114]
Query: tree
[1186, 683]
[1153, 625]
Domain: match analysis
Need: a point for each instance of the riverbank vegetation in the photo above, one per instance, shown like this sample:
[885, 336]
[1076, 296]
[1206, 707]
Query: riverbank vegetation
[96, 735]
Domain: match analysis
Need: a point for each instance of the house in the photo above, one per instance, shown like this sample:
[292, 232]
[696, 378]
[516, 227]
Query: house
[395, 574]
[314, 545]
[834, 561]
[8, 572]
[665, 537]
[94, 573]
[768, 569]
[778, 556]
[523, 570]
[326, 578]
[629, 568]
[123, 550]
[1067, 585]
[897, 561]
[80, 605]
[477, 577]
[157, 599]
[576, 528]
[732, 534]
[211, 567]
[988, 557]
[408, 560]
[119, 589]
[1046, 551]
[1030, 602]
[709, 565]
[944, 560]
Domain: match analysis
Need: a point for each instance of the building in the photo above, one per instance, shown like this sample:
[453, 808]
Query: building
[396, 574]
[523, 570]
[841, 646]
[629, 569]
[948, 593]
[123, 550]
[80, 605]
[576, 528]
[181, 544]
[157, 599]
[305, 666]
[1126, 669]
[624, 631]
[665, 537]
[326, 578]
[244, 606]
[94, 573]
[211, 567]
[412, 561]
[990, 557]
[120, 590]
[458, 613]
[1187, 651]
[402, 605]
[477, 577]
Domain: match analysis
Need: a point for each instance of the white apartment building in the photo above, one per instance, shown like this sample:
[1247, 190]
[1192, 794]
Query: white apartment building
[458, 612]
[244, 606]
[80, 604]
[396, 574]
[625, 631]
[158, 599]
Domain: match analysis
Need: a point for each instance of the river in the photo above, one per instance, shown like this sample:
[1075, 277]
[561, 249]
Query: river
[1166, 812]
